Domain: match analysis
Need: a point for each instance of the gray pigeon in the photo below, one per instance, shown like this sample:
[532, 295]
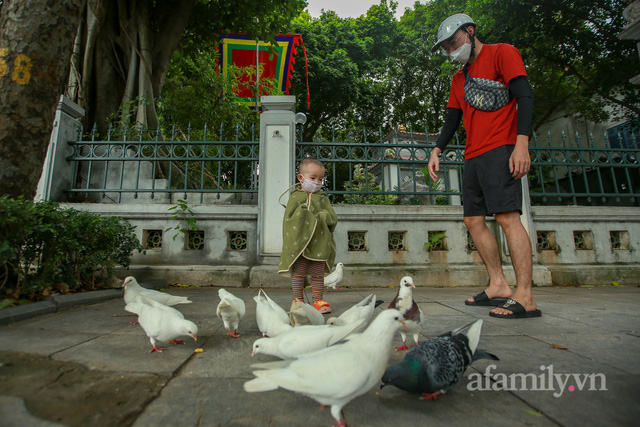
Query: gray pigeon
[435, 365]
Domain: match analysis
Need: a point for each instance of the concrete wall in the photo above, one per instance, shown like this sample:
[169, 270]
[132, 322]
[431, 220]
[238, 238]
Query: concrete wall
[217, 263]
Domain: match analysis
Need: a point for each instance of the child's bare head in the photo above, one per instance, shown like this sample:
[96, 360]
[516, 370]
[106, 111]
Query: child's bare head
[308, 164]
[311, 174]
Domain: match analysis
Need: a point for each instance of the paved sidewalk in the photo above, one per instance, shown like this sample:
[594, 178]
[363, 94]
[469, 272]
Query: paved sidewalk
[583, 331]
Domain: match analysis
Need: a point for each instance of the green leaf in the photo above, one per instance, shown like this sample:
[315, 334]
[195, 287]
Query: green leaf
[6, 303]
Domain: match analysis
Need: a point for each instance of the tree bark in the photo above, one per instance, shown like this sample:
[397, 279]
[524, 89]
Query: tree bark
[128, 47]
[36, 42]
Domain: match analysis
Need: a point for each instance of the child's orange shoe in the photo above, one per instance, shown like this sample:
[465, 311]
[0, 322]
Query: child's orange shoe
[322, 306]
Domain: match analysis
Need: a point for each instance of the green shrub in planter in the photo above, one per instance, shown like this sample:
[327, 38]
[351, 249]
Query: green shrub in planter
[42, 244]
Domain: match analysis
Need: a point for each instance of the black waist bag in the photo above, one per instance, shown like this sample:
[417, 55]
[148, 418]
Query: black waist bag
[485, 94]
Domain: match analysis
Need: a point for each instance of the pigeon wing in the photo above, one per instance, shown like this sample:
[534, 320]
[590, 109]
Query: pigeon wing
[394, 301]
[276, 308]
[342, 375]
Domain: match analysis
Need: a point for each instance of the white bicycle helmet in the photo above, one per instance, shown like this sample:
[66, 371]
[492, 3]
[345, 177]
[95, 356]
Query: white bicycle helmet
[450, 25]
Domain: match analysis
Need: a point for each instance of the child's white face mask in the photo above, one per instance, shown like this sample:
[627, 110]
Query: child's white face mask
[311, 186]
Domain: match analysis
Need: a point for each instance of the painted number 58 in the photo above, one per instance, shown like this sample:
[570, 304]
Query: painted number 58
[21, 73]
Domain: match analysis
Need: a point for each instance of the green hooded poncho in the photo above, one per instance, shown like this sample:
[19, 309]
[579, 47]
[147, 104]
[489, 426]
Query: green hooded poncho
[308, 231]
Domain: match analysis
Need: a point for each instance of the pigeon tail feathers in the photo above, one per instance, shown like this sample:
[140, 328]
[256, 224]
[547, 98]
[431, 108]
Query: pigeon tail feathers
[474, 335]
[259, 384]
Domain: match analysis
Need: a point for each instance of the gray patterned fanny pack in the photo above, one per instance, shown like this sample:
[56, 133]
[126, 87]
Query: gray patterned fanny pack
[485, 94]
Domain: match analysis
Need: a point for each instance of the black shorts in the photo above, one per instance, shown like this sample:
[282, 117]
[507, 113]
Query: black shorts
[488, 187]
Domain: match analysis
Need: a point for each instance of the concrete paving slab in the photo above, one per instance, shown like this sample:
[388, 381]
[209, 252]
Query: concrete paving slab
[39, 341]
[93, 319]
[124, 353]
[541, 362]
[224, 357]
[14, 413]
[599, 326]
[223, 402]
[458, 406]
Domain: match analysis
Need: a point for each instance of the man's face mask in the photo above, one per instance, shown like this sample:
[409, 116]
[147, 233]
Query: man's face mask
[462, 53]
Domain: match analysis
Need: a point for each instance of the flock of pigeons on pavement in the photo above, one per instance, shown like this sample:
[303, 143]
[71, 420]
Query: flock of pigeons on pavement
[308, 346]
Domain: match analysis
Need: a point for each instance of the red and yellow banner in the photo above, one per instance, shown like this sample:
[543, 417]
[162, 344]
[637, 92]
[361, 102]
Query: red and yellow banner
[273, 64]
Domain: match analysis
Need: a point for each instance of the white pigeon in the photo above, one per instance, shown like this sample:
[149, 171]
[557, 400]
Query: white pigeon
[132, 289]
[335, 277]
[412, 314]
[230, 309]
[303, 339]
[361, 312]
[271, 318]
[302, 313]
[346, 370]
[161, 322]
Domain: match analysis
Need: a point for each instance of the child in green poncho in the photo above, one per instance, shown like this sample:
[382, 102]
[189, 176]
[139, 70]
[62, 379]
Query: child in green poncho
[307, 231]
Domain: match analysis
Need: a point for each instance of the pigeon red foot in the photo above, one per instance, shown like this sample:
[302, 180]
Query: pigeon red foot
[233, 334]
[427, 396]
[176, 342]
[158, 349]
[402, 347]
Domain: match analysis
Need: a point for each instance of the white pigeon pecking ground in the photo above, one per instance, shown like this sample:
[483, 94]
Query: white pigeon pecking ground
[434, 366]
[302, 313]
[411, 312]
[161, 322]
[360, 312]
[303, 339]
[132, 289]
[272, 320]
[230, 309]
[349, 369]
[332, 279]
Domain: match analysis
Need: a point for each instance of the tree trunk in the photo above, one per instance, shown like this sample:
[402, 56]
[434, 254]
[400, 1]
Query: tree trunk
[127, 49]
[36, 42]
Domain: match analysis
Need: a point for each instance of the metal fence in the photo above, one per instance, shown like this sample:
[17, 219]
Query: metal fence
[136, 162]
[584, 174]
[368, 169]
[392, 170]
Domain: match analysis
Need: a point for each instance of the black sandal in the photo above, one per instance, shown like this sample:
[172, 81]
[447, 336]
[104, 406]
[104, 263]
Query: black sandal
[482, 299]
[517, 311]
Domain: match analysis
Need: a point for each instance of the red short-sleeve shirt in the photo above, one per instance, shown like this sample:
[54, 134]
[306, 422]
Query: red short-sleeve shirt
[488, 130]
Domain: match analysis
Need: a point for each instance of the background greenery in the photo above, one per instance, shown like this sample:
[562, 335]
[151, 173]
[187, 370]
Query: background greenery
[377, 71]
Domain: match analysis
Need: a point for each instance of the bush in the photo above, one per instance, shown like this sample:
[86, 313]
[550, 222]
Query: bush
[363, 181]
[42, 244]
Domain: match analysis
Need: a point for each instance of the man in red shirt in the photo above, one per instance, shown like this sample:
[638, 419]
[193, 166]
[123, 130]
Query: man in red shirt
[496, 157]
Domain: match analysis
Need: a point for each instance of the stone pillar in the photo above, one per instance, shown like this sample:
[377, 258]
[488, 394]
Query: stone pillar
[276, 170]
[632, 30]
[57, 172]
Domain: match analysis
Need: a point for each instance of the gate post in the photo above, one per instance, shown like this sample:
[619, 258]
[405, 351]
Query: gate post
[57, 173]
[276, 169]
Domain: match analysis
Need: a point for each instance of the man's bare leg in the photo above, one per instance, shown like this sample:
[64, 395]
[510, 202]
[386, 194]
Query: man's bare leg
[521, 258]
[487, 247]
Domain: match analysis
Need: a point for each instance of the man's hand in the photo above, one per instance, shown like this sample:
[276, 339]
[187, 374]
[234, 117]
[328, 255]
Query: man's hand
[519, 162]
[434, 163]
